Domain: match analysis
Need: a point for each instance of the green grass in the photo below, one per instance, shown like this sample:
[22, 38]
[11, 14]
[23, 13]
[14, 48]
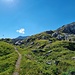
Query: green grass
[39, 58]
[8, 58]
[35, 63]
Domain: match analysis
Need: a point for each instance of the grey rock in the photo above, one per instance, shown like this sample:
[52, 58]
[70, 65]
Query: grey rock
[32, 43]
[35, 51]
[73, 58]
[56, 62]
[60, 37]
[50, 41]
[42, 46]
[19, 42]
[49, 62]
[48, 53]
[27, 40]
[49, 32]
[55, 34]
[44, 37]
[41, 50]
[69, 28]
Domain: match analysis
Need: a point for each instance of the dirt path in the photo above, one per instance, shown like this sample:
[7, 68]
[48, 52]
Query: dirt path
[17, 66]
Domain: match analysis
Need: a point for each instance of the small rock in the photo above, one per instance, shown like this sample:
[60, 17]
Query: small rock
[47, 54]
[35, 51]
[50, 41]
[49, 62]
[50, 51]
[41, 50]
[56, 62]
[73, 58]
[32, 43]
[27, 40]
[44, 37]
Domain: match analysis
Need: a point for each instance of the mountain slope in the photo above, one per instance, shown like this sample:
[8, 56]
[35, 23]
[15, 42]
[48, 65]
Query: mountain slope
[69, 28]
[57, 58]
[48, 55]
[22, 37]
[8, 58]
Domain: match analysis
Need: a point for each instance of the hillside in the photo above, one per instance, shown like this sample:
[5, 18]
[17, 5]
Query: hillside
[69, 28]
[57, 58]
[21, 37]
[8, 58]
[47, 53]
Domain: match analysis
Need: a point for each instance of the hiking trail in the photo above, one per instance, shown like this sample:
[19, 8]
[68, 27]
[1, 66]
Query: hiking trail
[17, 66]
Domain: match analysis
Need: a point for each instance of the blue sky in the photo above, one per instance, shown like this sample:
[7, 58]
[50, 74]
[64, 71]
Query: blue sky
[34, 16]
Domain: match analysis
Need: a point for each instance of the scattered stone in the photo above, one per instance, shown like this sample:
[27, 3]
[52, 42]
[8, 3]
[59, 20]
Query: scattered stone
[35, 51]
[50, 41]
[60, 37]
[41, 50]
[49, 62]
[17, 43]
[32, 43]
[73, 58]
[27, 40]
[56, 62]
[44, 37]
[42, 46]
[47, 54]
[49, 32]
[55, 34]
[50, 51]
[69, 28]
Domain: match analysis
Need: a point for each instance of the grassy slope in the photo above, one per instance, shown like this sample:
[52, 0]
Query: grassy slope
[45, 58]
[41, 57]
[8, 58]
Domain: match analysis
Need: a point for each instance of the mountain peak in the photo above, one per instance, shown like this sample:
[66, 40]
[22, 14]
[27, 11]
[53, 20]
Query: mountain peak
[22, 37]
[69, 28]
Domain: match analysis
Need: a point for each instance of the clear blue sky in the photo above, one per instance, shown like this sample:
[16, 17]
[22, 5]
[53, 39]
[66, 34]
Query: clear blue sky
[34, 16]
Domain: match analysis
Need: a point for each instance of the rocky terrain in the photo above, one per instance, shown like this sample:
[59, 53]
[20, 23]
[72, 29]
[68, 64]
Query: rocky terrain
[48, 53]
[69, 28]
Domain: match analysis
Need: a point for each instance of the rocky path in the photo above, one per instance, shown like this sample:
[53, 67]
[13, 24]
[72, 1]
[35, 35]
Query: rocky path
[17, 66]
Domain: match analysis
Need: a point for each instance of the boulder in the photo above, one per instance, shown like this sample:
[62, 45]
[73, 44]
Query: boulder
[50, 41]
[49, 32]
[44, 37]
[55, 34]
[27, 40]
[60, 37]
[69, 28]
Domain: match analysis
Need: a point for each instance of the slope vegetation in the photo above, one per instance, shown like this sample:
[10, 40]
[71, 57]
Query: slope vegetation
[8, 58]
[43, 54]
[47, 53]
